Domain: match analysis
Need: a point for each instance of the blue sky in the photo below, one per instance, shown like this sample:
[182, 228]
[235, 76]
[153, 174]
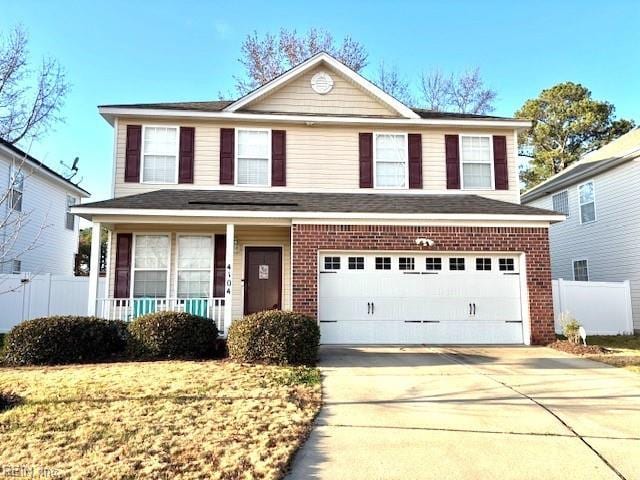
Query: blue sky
[143, 51]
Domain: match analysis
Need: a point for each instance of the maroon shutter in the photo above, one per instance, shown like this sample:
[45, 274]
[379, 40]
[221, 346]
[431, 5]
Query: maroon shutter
[187, 154]
[227, 154]
[366, 160]
[122, 277]
[415, 160]
[132, 153]
[278, 158]
[500, 162]
[452, 155]
[219, 258]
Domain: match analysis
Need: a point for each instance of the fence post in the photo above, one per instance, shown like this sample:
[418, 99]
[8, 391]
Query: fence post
[629, 311]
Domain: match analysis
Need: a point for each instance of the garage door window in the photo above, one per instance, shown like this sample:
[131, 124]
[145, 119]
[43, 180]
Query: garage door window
[383, 263]
[456, 263]
[506, 265]
[332, 263]
[483, 264]
[407, 263]
[356, 263]
[433, 263]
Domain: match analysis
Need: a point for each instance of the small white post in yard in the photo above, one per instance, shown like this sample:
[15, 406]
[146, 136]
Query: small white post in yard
[94, 270]
[228, 275]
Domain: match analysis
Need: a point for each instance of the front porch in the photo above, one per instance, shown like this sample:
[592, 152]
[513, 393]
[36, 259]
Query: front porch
[219, 271]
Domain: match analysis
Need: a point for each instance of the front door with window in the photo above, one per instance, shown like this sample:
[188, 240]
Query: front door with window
[262, 279]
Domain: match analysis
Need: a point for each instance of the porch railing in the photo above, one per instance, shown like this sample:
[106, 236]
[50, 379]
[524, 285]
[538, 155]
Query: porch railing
[127, 309]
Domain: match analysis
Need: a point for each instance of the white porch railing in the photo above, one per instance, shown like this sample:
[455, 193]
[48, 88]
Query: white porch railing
[127, 309]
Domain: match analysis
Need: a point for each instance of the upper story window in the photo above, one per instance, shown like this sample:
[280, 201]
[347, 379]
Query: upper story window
[70, 218]
[160, 155]
[253, 157]
[16, 189]
[477, 167]
[587, 201]
[151, 265]
[390, 160]
[561, 202]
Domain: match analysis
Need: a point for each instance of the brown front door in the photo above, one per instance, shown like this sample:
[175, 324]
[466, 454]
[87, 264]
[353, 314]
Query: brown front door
[262, 279]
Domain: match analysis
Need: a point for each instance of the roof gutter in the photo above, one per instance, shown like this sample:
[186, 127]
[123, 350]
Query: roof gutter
[110, 113]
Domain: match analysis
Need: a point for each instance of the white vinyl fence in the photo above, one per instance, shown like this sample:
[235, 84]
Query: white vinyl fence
[23, 297]
[602, 308]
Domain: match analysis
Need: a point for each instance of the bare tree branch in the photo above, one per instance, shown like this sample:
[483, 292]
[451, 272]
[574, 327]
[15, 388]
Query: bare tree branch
[464, 93]
[390, 81]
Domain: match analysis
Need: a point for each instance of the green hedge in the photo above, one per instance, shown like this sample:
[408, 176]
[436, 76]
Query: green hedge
[173, 335]
[64, 339]
[274, 337]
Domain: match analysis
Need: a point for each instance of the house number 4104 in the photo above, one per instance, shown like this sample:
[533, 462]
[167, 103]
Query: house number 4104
[228, 282]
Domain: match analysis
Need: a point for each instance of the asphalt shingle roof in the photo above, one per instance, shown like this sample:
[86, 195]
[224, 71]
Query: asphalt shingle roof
[233, 200]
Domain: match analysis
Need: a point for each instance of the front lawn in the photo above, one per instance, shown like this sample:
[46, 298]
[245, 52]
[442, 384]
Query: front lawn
[623, 350]
[156, 420]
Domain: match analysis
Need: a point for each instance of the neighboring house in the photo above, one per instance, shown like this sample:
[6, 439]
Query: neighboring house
[599, 196]
[320, 193]
[38, 233]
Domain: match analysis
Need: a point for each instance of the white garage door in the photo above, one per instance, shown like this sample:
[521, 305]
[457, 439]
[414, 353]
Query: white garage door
[383, 298]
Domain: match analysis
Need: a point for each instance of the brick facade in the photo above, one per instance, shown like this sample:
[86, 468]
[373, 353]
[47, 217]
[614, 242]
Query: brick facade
[534, 242]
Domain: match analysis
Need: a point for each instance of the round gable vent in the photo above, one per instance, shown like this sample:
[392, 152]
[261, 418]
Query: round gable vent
[322, 83]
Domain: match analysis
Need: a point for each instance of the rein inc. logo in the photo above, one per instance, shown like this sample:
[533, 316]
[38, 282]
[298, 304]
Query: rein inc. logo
[28, 471]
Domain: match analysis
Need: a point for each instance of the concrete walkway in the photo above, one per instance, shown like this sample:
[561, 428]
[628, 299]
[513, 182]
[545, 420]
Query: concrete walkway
[472, 413]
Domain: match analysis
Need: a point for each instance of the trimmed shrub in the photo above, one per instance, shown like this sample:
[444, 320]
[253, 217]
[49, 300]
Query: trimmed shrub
[64, 339]
[274, 337]
[173, 334]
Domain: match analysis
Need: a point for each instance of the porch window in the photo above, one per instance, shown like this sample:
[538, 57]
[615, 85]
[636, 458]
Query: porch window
[160, 155]
[390, 153]
[475, 155]
[151, 266]
[194, 266]
[254, 157]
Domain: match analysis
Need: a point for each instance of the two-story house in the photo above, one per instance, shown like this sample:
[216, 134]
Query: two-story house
[319, 192]
[38, 232]
[599, 196]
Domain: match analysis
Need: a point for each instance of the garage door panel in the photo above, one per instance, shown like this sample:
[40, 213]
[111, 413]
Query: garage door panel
[420, 306]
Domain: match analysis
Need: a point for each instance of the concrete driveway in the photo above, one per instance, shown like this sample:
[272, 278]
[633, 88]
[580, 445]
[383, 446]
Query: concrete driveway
[472, 413]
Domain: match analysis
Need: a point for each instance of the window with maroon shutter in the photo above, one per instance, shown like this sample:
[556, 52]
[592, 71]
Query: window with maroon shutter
[187, 154]
[122, 277]
[219, 256]
[132, 153]
[500, 168]
[366, 160]
[452, 156]
[278, 158]
[415, 160]
[227, 153]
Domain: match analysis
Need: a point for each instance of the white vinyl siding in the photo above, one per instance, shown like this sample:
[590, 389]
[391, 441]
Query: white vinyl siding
[390, 157]
[253, 157]
[477, 164]
[151, 265]
[610, 243]
[561, 202]
[160, 155]
[194, 266]
[587, 199]
[581, 270]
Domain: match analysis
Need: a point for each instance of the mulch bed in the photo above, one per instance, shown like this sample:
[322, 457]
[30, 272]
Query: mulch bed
[578, 349]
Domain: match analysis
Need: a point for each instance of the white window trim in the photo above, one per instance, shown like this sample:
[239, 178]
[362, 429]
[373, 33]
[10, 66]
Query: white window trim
[595, 212]
[568, 214]
[177, 258]
[573, 268]
[142, 154]
[491, 162]
[406, 160]
[236, 162]
[133, 262]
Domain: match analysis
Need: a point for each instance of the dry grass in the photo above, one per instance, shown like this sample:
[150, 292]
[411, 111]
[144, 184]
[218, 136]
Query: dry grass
[176, 419]
[622, 350]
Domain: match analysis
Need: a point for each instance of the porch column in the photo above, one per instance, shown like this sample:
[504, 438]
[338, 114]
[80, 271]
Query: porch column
[94, 270]
[228, 280]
